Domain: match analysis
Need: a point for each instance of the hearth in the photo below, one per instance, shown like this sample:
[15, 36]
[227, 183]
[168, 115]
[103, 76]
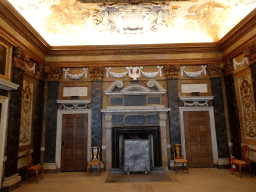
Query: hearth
[120, 134]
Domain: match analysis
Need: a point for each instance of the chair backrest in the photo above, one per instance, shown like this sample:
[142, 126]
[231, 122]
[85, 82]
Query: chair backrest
[95, 153]
[245, 153]
[29, 159]
[177, 151]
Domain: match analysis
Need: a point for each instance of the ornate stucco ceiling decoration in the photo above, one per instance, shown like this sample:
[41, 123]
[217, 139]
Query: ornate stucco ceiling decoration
[73, 22]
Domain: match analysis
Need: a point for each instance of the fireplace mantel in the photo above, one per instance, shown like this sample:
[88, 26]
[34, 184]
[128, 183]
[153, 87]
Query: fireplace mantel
[135, 109]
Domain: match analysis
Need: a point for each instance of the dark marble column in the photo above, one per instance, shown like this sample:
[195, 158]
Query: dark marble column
[96, 113]
[173, 98]
[233, 115]
[51, 121]
[38, 120]
[219, 115]
[12, 148]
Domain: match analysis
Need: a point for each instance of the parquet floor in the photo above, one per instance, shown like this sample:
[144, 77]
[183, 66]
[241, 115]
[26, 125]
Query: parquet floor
[198, 180]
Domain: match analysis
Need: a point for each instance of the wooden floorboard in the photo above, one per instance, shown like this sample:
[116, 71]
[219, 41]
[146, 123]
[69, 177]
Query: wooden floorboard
[198, 180]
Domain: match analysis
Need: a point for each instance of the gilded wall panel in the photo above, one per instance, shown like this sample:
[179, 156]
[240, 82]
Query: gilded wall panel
[246, 105]
[27, 107]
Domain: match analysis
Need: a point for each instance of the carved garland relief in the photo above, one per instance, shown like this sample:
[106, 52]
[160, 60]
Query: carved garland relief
[26, 113]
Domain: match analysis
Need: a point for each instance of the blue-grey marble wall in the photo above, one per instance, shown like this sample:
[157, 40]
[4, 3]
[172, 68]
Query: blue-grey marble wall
[219, 115]
[233, 115]
[96, 113]
[173, 98]
[38, 120]
[12, 148]
[51, 121]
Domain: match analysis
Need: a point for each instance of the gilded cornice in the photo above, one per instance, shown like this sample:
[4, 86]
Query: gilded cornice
[171, 71]
[133, 49]
[214, 70]
[13, 18]
[96, 73]
[242, 28]
[53, 73]
[119, 63]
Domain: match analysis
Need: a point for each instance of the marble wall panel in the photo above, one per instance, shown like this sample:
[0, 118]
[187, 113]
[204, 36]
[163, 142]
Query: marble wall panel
[96, 113]
[233, 115]
[220, 120]
[38, 120]
[51, 121]
[174, 118]
[12, 148]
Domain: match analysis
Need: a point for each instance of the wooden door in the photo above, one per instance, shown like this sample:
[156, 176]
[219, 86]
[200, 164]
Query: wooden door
[198, 139]
[74, 142]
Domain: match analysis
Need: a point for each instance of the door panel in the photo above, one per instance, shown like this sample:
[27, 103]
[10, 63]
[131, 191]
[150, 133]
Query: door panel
[198, 138]
[74, 142]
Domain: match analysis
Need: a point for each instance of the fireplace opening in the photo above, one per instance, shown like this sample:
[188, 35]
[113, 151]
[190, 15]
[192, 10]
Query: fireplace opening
[150, 133]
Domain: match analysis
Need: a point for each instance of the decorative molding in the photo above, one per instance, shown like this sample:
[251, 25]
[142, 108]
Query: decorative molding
[135, 63]
[196, 101]
[14, 19]
[20, 58]
[9, 181]
[134, 75]
[135, 89]
[53, 73]
[75, 104]
[228, 68]
[135, 109]
[193, 74]
[7, 85]
[171, 71]
[96, 72]
[23, 153]
[239, 31]
[223, 161]
[88, 50]
[215, 70]
[75, 76]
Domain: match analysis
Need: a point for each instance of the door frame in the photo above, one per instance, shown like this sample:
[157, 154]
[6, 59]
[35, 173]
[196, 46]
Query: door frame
[3, 126]
[59, 132]
[212, 127]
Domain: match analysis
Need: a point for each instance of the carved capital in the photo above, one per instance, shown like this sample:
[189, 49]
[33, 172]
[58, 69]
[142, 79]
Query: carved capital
[96, 73]
[228, 67]
[171, 71]
[214, 70]
[40, 71]
[20, 58]
[53, 73]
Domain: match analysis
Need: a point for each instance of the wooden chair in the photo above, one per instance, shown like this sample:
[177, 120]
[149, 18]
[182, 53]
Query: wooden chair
[178, 158]
[95, 160]
[244, 162]
[33, 169]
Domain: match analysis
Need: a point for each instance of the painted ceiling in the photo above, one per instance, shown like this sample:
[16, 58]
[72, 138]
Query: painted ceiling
[83, 22]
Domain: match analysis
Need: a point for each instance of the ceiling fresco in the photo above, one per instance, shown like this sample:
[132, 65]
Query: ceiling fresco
[80, 22]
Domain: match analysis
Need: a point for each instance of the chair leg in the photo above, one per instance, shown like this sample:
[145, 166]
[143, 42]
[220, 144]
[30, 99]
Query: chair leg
[36, 176]
[98, 170]
[187, 167]
[249, 166]
[240, 169]
[175, 167]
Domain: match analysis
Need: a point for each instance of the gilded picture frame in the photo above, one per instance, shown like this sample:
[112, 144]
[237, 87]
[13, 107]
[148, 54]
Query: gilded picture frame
[5, 59]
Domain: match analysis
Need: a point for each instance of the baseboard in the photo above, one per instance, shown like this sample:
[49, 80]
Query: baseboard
[50, 167]
[11, 183]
